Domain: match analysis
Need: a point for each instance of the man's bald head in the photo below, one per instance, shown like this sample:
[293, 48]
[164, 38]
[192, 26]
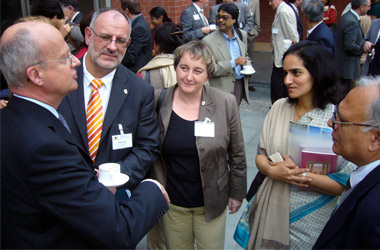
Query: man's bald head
[21, 46]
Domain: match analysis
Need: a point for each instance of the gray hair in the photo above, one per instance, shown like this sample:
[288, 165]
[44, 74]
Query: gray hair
[103, 10]
[16, 55]
[355, 4]
[313, 10]
[373, 112]
[198, 50]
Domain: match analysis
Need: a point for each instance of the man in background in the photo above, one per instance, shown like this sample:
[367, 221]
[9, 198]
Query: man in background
[194, 22]
[139, 51]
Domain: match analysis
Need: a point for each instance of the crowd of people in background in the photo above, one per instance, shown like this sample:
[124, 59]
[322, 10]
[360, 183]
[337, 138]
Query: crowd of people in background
[162, 101]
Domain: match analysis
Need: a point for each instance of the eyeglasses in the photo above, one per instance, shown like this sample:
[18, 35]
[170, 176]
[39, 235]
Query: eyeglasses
[69, 57]
[108, 38]
[225, 18]
[334, 121]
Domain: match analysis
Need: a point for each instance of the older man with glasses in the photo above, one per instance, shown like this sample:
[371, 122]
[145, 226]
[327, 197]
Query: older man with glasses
[355, 224]
[111, 114]
[50, 194]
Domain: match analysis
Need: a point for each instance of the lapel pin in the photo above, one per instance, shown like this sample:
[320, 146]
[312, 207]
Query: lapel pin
[125, 91]
[203, 103]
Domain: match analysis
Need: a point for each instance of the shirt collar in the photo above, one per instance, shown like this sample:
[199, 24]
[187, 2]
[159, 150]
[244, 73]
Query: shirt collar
[197, 7]
[75, 15]
[356, 14]
[312, 29]
[107, 79]
[360, 173]
[44, 105]
[227, 37]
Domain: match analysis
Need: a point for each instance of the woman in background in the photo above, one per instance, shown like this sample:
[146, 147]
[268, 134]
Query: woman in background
[159, 71]
[282, 215]
[158, 17]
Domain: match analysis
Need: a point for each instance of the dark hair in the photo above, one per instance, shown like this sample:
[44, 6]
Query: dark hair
[233, 10]
[292, 1]
[355, 4]
[327, 2]
[132, 5]
[72, 3]
[318, 61]
[169, 36]
[85, 22]
[46, 8]
[159, 11]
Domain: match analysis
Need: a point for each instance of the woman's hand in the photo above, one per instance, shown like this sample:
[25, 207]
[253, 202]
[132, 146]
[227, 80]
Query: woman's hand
[287, 171]
[234, 205]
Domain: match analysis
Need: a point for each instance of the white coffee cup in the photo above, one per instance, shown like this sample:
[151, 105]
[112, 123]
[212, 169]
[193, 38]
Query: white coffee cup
[247, 68]
[212, 26]
[109, 172]
[287, 43]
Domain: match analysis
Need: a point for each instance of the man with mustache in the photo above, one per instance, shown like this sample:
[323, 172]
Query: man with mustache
[113, 119]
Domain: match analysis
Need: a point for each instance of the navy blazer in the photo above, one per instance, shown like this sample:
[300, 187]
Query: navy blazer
[131, 104]
[356, 223]
[323, 35]
[139, 51]
[50, 196]
[192, 26]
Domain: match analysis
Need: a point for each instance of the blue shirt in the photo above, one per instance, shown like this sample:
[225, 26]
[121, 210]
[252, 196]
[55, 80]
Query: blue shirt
[234, 49]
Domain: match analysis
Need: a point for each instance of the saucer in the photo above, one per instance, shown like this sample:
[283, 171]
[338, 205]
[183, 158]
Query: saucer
[248, 72]
[118, 181]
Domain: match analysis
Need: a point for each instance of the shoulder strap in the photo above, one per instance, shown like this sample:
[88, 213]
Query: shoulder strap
[161, 99]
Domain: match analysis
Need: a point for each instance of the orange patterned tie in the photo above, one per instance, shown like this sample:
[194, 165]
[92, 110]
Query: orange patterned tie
[94, 117]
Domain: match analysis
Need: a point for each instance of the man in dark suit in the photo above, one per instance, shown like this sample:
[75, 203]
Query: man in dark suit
[355, 224]
[373, 58]
[127, 102]
[194, 22]
[295, 4]
[350, 44]
[50, 196]
[75, 37]
[139, 51]
[317, 30]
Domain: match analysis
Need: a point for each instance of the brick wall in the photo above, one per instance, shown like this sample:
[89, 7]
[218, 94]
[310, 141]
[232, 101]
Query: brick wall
[175, 8]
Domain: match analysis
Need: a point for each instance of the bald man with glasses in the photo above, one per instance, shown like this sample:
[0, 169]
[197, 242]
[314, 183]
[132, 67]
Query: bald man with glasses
[355, 224]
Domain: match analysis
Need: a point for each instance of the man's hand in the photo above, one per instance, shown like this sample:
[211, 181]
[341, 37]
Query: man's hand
[240, 60]
[234, 205]
[206, 30]
[367, 47]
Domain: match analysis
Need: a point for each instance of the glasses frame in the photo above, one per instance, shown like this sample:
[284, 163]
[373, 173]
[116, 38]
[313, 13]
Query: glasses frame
[334, 121]
[69, 57]
[225, 18]
[118, 41]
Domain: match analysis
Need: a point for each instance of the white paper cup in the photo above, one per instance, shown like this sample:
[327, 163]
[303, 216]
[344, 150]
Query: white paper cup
[212, 26]
[108, 172]
[247, 68]
[287, 43]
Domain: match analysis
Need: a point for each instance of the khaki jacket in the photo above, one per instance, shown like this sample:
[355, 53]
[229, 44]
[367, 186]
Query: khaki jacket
[219, 180]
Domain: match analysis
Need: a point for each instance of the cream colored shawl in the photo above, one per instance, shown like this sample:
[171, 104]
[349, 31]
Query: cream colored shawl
[269, 211]
[164, 62]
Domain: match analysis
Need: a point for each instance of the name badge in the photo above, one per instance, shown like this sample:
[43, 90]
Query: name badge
[205, 128]
[275, 30]
[121, 141]
[196, 17]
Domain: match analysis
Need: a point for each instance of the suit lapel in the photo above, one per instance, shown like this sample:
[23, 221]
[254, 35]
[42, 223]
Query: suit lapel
[208, 106]
[76, 100]
[119, 93]
[337, 220]
[222, 46]
[166, 110]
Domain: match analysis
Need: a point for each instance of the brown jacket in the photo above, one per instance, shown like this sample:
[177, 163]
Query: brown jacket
[219, 180]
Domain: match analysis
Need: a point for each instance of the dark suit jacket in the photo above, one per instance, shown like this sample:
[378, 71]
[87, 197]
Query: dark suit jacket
[323, 35]
[192, 27]
[349, 46]
[299, 21]
[356, 223]
[371, 36]
[50, 197]
[131, 104]
[139, 51]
